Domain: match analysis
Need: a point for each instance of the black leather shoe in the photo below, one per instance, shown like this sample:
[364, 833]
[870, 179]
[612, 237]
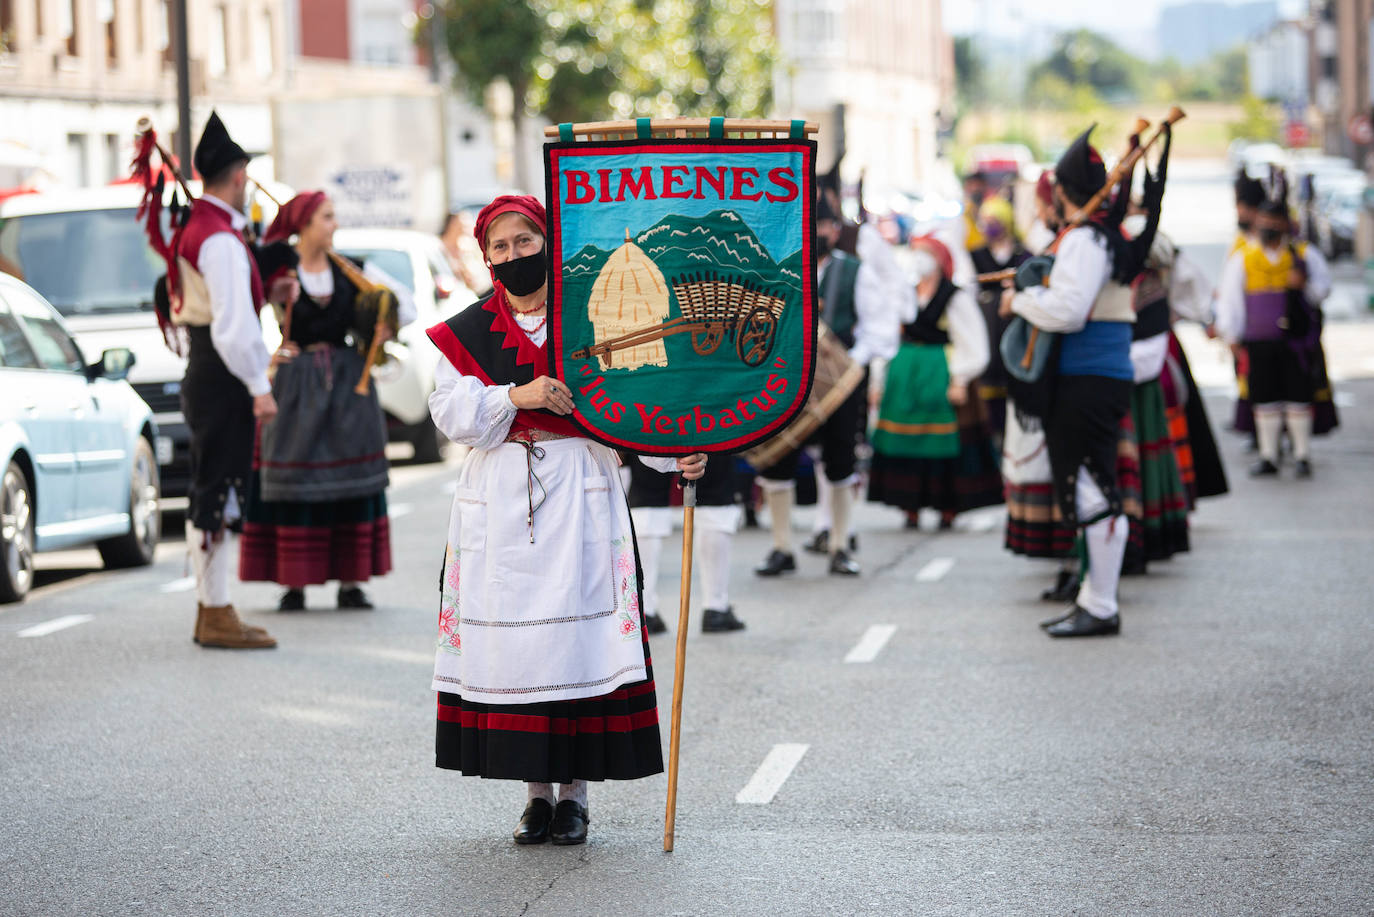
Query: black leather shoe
[853, 544]
[1065, 588]
[534, 824]
[777, 563]
[570, 822]
[1083, 623]
[654, 624]
[1264, 469]
[1303, 468]
[292, 600]
[841, 564]
[1050, 622]
[354, 598]
[819, 543]
[714, 622]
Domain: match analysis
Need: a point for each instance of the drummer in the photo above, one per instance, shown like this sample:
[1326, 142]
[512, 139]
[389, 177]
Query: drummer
[861, 302]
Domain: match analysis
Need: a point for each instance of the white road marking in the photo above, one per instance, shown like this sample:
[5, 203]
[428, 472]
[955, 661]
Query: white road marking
[935, 570]
[985, 522]
[771, 775]
[56, 624]
[396, 655]
[185, 584]
[871, 643]
[397, 510]
[1343, 399]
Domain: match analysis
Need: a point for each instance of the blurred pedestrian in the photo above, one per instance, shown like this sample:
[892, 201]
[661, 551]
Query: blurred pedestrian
[931, 445]
[216, 294]
[463, 253]
[1269, 302]
[542, 666]
[1250, 196]
[1002, 251]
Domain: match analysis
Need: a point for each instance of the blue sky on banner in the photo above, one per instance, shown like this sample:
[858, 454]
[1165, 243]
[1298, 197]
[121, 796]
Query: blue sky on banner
[777, 225]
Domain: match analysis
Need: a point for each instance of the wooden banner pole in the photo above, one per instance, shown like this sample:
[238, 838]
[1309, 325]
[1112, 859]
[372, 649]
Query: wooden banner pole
[689, 505]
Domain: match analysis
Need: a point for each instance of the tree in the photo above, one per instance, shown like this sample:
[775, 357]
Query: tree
[1086, 58]
[970, 72]
[491, 40]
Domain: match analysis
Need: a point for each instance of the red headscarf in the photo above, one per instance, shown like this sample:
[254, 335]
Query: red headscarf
[937, 249]
[523, 204]
[294, 216]
[1044, 188]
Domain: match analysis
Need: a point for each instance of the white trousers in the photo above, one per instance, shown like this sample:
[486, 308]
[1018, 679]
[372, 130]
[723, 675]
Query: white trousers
[213, 563]
[1106, 540]
[715, 528]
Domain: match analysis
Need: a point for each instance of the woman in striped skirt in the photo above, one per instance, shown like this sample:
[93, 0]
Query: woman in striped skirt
[542, 664]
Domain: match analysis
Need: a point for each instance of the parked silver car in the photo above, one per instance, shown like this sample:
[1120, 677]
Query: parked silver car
[77, 464]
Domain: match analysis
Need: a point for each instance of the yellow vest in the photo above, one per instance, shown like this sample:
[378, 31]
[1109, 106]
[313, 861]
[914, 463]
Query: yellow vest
[1265, 276]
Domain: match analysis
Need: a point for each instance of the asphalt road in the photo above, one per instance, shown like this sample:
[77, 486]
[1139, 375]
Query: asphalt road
[1217, 758]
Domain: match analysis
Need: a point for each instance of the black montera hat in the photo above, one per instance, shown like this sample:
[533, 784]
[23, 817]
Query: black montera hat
[216, 150]
[1081, 169]
[1249, 191]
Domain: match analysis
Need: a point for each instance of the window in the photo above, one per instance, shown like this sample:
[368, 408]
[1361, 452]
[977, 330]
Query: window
[219, 42]
[67, 15]
[54, 347]
[6, 25]
[15, 352]
[76, 160]
[105, 14]
[38, 17]
[114, 164]
[263, 52]
[164, 36]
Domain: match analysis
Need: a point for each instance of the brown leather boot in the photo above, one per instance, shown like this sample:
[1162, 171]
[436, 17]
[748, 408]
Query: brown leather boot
[219, 625]
[251, 629]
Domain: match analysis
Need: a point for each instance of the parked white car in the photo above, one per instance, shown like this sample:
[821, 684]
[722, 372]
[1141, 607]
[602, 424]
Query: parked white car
[416, 260]
[77, 464]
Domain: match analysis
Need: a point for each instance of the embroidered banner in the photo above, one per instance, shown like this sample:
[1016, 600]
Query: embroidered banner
[683, 278]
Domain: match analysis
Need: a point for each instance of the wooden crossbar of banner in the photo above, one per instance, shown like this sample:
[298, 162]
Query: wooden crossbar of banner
[676, 128]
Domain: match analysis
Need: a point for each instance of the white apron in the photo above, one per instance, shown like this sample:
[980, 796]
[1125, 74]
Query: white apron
[558, 619]
[1025, 456]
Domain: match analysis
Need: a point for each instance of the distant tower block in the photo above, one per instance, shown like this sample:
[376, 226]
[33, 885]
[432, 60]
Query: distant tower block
[629, 295]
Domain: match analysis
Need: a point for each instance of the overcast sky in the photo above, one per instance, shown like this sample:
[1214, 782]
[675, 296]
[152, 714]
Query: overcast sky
[963, 16]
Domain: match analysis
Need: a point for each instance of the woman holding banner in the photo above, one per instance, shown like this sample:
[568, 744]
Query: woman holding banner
[542, 665]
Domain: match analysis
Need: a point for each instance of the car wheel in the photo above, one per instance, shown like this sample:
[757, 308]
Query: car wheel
[135, 547]
[428, 442]
[16, 534]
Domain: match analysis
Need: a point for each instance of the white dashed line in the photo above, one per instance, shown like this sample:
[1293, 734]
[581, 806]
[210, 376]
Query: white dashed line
[185, 584]
[56, 624]
[935, 570]
[771, 775]
[871, 643]
[1343, 399]
[397, 510]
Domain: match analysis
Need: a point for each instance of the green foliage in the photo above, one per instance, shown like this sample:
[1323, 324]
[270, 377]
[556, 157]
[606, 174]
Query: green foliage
[1259, 121]
[490, 40]
[1086, 58]
[970, 72]
[1223, 77]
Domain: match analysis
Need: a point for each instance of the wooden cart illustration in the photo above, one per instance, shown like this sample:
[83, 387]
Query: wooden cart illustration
[713, 310]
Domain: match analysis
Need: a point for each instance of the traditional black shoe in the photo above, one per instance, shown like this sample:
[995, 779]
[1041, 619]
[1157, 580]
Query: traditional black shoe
[1303, 468]
[714, 622]
[354, 597]
[534, 824]
[654, 624]
[570, 822]
[1136, 567]
[1050, 622]
[1065, 588]
[853, 544]
[292, 600]
[1083, 623]
[946, 523]
[841, 564]
[1264, 469]
[777, 562]
[819, 543]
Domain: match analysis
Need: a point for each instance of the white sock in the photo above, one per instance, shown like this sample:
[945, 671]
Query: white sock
[1268, 427]
[650, 549]
[822, 521]
[538, 791]
[576, 791]
[1106, 547]
[713, 560]
[213, 565]
[1299, 420]
[780, 502]
[840, 498]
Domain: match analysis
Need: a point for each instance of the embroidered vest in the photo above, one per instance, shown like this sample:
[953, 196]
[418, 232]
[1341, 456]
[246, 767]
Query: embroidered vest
[837, 296]
[1266, 291]
[189, 291]
[932, 325]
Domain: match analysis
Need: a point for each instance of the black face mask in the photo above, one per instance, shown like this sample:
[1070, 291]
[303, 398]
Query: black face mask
[1244, 225]
[1270, 237]
[522, 276]
[823, 246]
[977, 197]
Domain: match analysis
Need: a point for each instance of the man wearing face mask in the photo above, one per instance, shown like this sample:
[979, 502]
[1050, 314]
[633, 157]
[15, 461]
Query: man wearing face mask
[542, 663]
[1250, 196]
[1269, 302]
[1002, 251]
[861, 302]
[975, 192]
[1092, 312]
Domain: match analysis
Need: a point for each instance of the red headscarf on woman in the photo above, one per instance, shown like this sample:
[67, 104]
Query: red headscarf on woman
[523, 204]
[293, 216]
[943, 259]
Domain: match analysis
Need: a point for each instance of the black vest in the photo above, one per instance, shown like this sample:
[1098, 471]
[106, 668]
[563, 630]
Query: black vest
[929, 327]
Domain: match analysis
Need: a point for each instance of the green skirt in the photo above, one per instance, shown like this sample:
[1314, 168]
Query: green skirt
[916, 419]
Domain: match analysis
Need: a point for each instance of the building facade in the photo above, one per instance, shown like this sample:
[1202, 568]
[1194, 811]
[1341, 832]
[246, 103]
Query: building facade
[875, 74]
[1343, 79]
[1277, 61]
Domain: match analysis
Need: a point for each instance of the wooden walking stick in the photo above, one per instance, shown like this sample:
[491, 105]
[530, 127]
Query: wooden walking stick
[689, 505]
